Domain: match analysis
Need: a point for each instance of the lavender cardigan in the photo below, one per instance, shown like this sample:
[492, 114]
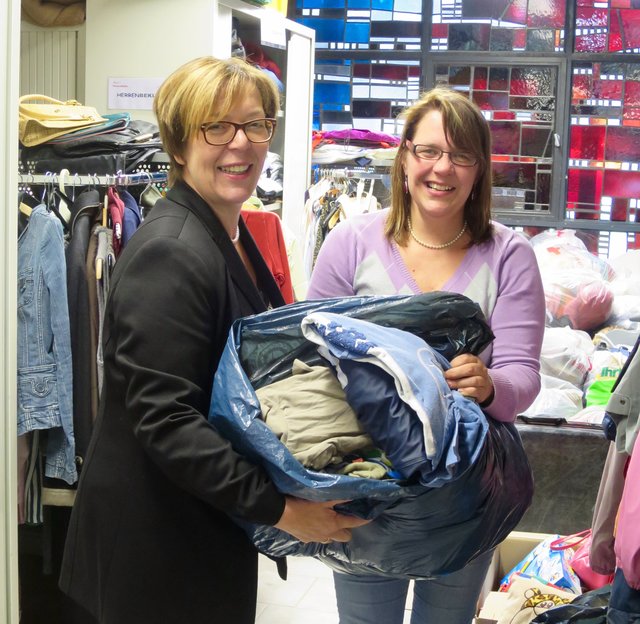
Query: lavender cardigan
[501, 275]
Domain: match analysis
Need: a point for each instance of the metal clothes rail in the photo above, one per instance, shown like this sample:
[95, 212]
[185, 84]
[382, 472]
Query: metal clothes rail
[117, 179]
[350, 172]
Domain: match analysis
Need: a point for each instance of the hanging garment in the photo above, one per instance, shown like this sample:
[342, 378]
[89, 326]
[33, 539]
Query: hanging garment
[92, 294]
[105, 260]
[30, 476]
[84, 214]
[627, 542]
[45, 372]
[116, 214]
[131, 218]
[601, 555]
[623, 406]
[266, 230]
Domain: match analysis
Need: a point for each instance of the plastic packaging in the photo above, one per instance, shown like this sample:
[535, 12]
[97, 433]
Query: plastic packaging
[547, 564]
[576, 283]
[589, 608]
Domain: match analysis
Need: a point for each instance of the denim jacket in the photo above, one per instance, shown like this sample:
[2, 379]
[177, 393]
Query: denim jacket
[44, 343]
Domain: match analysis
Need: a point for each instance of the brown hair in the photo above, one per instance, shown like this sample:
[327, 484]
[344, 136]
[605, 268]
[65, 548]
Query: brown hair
[467, 129]
[202, 89]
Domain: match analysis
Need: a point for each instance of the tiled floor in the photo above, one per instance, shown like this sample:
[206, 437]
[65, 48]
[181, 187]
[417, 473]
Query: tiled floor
[307, 597]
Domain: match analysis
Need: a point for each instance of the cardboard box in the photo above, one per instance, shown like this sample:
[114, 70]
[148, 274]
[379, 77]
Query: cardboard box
[515, 548]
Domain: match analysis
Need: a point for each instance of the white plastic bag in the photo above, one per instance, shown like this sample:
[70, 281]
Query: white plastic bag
[557, 399]
[576, 282]
[566, 354]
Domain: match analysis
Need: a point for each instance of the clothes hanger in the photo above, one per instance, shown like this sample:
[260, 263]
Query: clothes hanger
[27, 201]
[63, 204]
[148, 196]
[50, 199]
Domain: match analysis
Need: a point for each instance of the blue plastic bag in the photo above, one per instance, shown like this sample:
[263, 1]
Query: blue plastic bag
[417, 531]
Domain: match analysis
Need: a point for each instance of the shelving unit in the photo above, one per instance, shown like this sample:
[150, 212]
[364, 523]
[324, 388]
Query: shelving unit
[149, 42]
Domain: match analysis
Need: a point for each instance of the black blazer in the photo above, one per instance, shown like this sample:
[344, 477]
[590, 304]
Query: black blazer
[150, 540]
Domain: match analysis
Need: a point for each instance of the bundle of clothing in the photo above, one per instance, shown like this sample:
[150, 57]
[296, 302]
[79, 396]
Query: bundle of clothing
[458, 488]
[53, 14]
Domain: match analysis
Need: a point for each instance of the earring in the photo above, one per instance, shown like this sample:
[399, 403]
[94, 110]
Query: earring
[406, 185]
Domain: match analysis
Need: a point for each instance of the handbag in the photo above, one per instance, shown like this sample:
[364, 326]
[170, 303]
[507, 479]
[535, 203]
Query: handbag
[579, 561]
[96, 152]
[42, 118]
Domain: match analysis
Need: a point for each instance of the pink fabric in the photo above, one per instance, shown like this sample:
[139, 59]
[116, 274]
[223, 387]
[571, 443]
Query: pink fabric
[627, 545]
[591, 306]
[354, 134]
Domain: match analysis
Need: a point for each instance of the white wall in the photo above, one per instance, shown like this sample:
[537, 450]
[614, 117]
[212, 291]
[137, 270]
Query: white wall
[144, 39]
[154, 37]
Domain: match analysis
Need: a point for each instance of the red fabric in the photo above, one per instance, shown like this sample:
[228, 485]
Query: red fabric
[257, 56]
[116, 214]
[266, 229]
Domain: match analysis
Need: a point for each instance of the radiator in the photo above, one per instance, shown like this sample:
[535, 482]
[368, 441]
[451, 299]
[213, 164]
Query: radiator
[52, 61]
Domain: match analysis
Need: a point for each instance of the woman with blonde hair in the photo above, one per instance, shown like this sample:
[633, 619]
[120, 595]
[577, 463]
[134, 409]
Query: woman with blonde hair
[151, 539]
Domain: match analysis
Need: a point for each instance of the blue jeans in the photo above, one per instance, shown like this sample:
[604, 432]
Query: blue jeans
[624, 604]
[449, 599]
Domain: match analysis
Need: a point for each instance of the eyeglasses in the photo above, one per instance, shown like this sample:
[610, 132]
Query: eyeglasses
[428, 152]
[223, 132]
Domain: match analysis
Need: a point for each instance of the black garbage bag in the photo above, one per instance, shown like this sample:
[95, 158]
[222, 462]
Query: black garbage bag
[417, 531]
[450, 323]
[589, 608]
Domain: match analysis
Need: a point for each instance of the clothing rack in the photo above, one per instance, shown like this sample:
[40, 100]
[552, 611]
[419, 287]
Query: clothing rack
[117, 179]
[351, 172]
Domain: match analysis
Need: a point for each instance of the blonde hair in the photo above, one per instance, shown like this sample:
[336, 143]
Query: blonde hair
[467, 129]
[203, 89]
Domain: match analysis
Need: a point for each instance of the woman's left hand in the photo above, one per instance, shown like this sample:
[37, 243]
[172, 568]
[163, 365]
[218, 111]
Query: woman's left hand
[470, 377]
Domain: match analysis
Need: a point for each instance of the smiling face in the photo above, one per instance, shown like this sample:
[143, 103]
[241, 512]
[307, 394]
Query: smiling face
[438, 189]
[226, 175]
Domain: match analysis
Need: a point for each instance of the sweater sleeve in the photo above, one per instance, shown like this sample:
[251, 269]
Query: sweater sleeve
[517, 322]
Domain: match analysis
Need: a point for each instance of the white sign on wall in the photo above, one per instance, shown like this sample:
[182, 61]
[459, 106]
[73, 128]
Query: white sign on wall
[133, 93]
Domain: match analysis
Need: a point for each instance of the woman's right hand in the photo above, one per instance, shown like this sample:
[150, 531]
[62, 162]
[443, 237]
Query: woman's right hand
[310, 521]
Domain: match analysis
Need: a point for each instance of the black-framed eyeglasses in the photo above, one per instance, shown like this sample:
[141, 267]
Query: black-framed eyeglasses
[429, 152]
[223, 132]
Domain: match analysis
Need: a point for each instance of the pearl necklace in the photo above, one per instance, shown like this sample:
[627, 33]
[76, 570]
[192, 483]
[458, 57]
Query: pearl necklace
[443, 245]
[236, 238]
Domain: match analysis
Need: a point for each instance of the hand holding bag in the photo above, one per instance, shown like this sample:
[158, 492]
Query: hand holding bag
[579, 561]
[42, 118]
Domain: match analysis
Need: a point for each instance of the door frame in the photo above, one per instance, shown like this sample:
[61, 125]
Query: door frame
[10, 68]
